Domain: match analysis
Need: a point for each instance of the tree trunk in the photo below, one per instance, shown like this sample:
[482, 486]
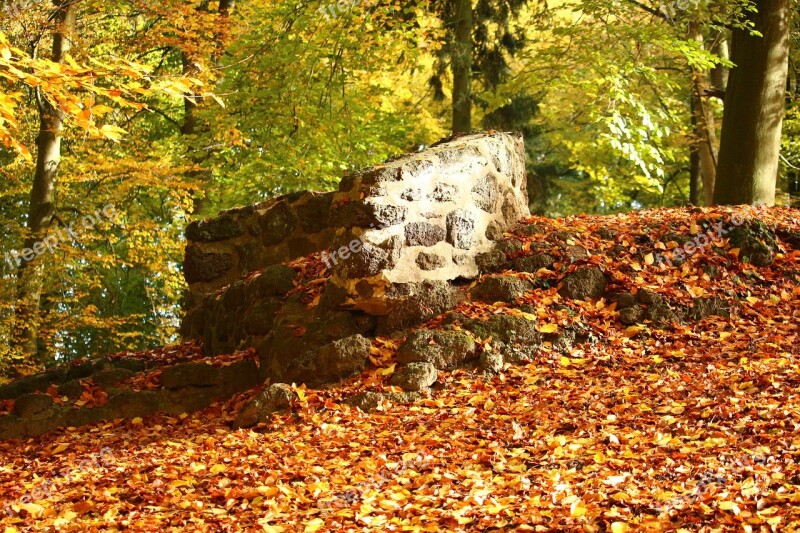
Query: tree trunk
[719, 74]
[462, 67]
[705, 134]
[30, 274]
[754, 108]
[695, 174]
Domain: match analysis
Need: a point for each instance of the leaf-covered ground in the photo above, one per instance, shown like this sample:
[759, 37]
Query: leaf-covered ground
[693, 426]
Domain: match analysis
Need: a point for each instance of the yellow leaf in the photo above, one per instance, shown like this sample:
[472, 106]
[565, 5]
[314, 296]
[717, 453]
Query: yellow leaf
[620, 527]
[60, 448]
[216, 469]
[565, 361]
[649, 259]
[136, 421]
[314, 525]
[730, 506]
[724, 335]
[577, 509]
[528, 316]
[636, 266]
[632, 331]
[387, 371]
[548, 328]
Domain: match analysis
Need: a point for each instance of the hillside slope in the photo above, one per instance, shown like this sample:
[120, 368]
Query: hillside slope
[643, 392]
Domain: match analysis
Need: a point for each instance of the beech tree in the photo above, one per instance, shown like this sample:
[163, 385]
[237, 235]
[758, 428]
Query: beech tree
[754, 107]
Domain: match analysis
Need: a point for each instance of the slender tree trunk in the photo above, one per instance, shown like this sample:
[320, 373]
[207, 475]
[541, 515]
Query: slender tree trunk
[705, 134]
[695, 174]
[30, 274]
[719, 74]
[462, 67]
[754, 108]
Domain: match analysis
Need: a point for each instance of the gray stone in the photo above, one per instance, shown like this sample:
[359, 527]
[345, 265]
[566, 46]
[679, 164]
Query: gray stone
[500, 289]
[443, 349]
[301, 246]
[71, 389]
[312, 213]
[110, 377]
[492, 261]
[134, 365]
[626, 299]
[362, 214]
[415, 376]
[584, 283]
[485, 193]
[443, 193]
[461, 229]
[649, 297]
[494, 231]
[492, 362]
[274, 281]
[533, 263]
[217, 229]
[411, 194]
[337, 360]
[509, 329]
[756, 243]
[429, 261]
[631, 315]
[369, 401]
[188, 399]
[200, 266]
[530, 230]
[275, 398]
[277, 223]
[11, 427]
[260, 319]
[370, 260]
[661, 314]
[190, 375]
[411, 304]
[132, 404]
[31, 405]
[423, 234]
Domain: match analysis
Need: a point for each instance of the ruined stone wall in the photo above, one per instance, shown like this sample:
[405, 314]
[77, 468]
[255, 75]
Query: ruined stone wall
[392, 237]
[223, 249]
[426, 216]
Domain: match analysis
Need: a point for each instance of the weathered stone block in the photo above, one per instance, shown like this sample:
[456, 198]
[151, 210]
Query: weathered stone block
[423, 234]
[217, 229]
[200, 266]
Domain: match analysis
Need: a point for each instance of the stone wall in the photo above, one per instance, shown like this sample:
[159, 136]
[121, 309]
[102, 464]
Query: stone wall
[425, 216]
[419, 217]
[223, 249]
[50, 400]
[393, 238]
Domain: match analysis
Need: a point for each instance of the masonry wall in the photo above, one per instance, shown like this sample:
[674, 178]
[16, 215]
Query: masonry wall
[392, 233]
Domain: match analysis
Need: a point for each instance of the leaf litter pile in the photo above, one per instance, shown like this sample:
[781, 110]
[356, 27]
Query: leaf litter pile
[677, 423]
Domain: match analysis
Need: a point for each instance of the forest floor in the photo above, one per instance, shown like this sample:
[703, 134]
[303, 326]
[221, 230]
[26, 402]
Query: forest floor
[693, 425]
